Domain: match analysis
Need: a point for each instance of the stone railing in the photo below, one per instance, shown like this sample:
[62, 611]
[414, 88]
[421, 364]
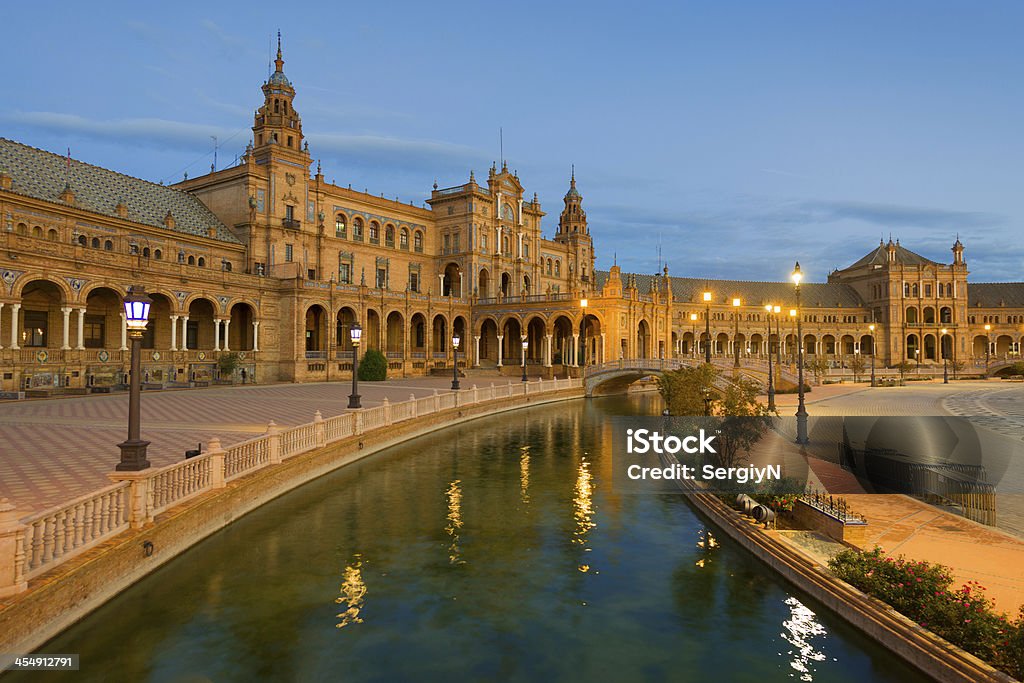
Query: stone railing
[38, 543]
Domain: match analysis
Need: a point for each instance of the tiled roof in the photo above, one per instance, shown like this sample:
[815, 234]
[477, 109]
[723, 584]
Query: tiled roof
[903, 256]
[996, 294]
[812, 295]
[40, 174]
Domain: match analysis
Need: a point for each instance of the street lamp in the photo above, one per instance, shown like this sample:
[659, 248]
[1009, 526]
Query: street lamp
[872, 328]
[801, 411]
[583, 305]
[988, 347]
[792, 331]
[526, 345]
[771, 380]
[945, 362]
[136, 313]
[917, 357]
[778, 338]
[693, 322]
[707, 327]
[355, 334]
[736, 335]
[455, 361]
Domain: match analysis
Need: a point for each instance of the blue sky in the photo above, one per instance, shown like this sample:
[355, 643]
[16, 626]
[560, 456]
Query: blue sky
[740, 136]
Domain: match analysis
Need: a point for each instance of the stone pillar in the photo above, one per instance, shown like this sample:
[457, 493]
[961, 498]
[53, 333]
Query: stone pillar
[66, 331]
[476, 351]
[12, 555]
[501, 337]
[217, 473]
[273, 443]
[255, 335]
[14, 326]
[124, 332]
[320, 429]
[184, 333]
[227, 328]
[81, 330]
[602, 348]
[547, 351]
[216, 334]
[139, 512]
[575, 349]
[174, 333]
[1, 323]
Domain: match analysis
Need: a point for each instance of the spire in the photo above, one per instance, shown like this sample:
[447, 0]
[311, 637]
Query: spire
[279, 62]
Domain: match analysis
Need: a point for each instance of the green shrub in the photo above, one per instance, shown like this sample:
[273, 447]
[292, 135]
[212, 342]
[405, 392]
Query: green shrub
[921, 591]
[373, 366]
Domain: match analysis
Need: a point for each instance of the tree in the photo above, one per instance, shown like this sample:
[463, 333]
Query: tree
[857, 365]
[957, 366]
[904, 366]
[819, 366]
[373, 367]
[685, 389]
[227, 363]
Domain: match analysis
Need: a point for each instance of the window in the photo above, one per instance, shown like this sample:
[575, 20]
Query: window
[483, 241]
[202, 262]
[340, 227]
[311, 274]
[83, 240]
[345, 273]
[403, 238]
[374, 232]
[52, 235]
[158, 255]
[526, 249]
[108, 245]
[456, 242]
[414, 282]
[357, 228]
[549, 267]
[145, 252]
[417, 241]
[447, 244]
[191, 260]
[558, 268]
[95, 242]
[382, 278]
[389, 236]
[288, 253]
[290, 143]
[94, 332]
[928, 290]
[34, 333]
[226, 265]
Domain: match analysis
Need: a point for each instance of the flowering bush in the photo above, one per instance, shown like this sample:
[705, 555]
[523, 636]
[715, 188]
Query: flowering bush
[778, 503]
[922, 591]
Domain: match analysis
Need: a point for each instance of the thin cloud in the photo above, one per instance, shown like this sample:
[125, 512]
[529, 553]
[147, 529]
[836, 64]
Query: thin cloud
[895, 215]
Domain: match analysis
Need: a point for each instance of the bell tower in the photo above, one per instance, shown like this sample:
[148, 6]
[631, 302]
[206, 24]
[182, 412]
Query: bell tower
[277, 125]
[573, 232]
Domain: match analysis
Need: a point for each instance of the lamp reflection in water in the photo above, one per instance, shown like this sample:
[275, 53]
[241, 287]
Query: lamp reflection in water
[583, 508]
[353, 593]
[705, 542]
[454, 496]
[798, 631]
[524, 474]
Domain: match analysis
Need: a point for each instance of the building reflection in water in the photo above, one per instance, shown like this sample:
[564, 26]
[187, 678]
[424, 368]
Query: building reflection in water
[583, 508]
[706, 542]
[524, 474]
[454, 496]
[799, 629]
[353, 593]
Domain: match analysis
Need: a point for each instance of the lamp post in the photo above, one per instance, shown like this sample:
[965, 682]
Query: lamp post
[872, 328]
[583, 305]
[801, 411]
[526, 345]
[707, 327]
[945, 362]
[771, 380]
[988, 347]
[355, 334]
[792, 331]
[455, 361]
[736, 334]
[693, 322]
[136, 312]
[778, 338]
[917, 357]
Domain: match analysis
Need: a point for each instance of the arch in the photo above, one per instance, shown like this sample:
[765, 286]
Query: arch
[158, 331]
[371, 330]
[52, 235]
[403, 238]
[828, 345]
[979, 345]
[83, 240]
[810, 345]
[201, 262]
[344, 319]
[483, 282]
[946, 315]
[451, 283]
[22, 229]
[314, 331]
[756, 345]
[199, 329]
[108, 245]
[946, 350]
[512, 331]
[439, 329]
[867, 344]
[417, 241]
[146, 252]
[562, 340]
[374, 232]
[526, 285]
[191, 260]
[102, 327]
[590, 339]
[1004, 345]
[95, 243]
[26, 282]
[459, 327]
[913, 347]
[536, 329]
[240, 333]
[506, 285]
[643, 339]
[395, 334]
[721, 343]
[41, 317]
[930, 349]
[340, 225]
[488, 340]
[847, 345]
[418, 333]
[158, 255]
[357, 228]
[929, 315]
[911, 317]
[389, 235]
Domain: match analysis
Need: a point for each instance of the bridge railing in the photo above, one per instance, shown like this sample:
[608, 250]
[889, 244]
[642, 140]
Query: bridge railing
[44, 540]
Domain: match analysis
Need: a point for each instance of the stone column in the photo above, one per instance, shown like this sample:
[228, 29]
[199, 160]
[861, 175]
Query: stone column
[216, 334]
[66, 331]
[602, 348]
[174, 333]
[81, 330]
[547, 351]
[476, 351]
[124, 332]
[184, 333]
[575, 349]
[1, 323]
[501, 337]
[255, 335]
[14, 326]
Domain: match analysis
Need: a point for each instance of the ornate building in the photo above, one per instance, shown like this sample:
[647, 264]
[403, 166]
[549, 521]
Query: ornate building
[269, 261]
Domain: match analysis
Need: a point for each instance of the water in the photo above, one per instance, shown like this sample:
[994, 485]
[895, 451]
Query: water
[495, 550]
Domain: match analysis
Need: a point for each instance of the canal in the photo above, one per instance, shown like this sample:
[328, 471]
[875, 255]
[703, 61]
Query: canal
[494, 550]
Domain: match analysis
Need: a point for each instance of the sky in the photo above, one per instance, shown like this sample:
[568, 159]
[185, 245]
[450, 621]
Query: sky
[733, 138]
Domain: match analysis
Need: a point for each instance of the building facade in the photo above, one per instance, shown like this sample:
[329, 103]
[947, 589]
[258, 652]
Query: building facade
[268, 260]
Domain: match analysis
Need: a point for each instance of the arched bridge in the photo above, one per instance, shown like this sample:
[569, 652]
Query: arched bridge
[615, 376]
